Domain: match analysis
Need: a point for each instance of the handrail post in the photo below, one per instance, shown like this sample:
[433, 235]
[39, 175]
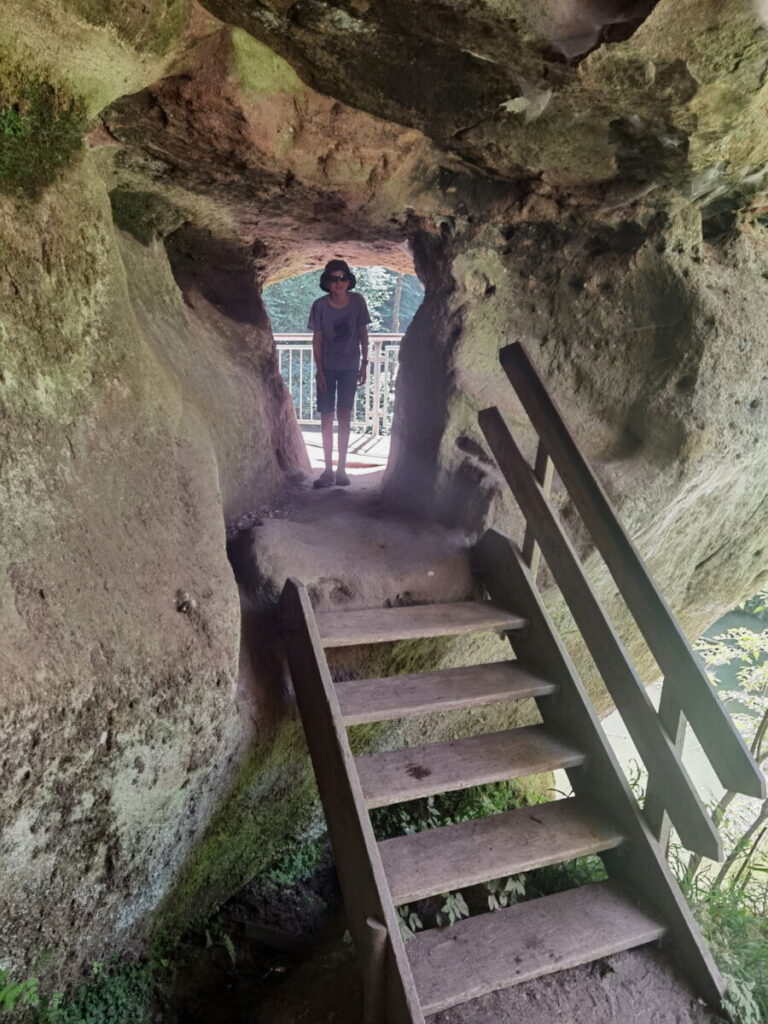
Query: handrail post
[693, 823]
[727, 752]
[674, 724]
[375, 425]
[543, 470]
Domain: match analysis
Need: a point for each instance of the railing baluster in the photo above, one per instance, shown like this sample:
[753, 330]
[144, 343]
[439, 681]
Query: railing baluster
[372, 403]
[301, 384]
[543, 470]
[674, 724]
[375, 421]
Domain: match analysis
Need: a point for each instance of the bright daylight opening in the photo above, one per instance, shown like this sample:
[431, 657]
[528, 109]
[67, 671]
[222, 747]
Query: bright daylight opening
[392, 299]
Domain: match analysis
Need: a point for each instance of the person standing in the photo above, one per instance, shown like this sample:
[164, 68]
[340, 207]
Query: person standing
[339, 324]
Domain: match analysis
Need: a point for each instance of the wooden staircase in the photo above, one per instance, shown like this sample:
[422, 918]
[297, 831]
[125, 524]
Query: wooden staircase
[442, 967]
[438, 968]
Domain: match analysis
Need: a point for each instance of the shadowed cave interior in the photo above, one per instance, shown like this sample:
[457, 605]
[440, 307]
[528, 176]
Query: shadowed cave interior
[589, 179]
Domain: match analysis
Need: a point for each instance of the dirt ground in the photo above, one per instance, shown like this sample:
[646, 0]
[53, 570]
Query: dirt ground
[637, 987]
[321, 985]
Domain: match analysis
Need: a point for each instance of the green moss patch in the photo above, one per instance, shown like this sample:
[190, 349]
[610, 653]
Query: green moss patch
[260, 71]
[152, 26]
[261, 825]
[41, 130]
[145, 215]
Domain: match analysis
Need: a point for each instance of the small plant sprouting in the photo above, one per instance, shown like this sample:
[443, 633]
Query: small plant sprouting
[229, 945]
[454, 908]
[503, 891]
[409, 922]
[17, 993]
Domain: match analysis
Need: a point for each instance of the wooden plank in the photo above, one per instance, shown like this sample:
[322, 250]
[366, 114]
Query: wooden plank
[358, 864]
[601, 782]
[690, 816]
[543, 470]
[375, 700]
[492, 951]
[398, 775]
[442, 859]
[376, 625]
[726, 750]
[654, 806]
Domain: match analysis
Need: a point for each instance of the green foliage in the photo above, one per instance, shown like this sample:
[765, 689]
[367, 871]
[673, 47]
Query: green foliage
[453, 909]
[734, 922]
[40, 132]
[732, 906]
[117, 993]
[503, 891]
[15, 994]
[288, 302]
[410, 922]
[445, 809]
[296, 864]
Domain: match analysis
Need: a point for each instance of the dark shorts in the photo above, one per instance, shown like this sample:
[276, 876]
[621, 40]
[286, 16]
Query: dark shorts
[340, 387]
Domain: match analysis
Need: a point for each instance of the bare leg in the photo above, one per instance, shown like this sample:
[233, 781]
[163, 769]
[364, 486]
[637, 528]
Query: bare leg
[326, 428]
[345, 418]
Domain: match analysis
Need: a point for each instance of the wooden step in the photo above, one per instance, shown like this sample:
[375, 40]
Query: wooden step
[442, 859]
[398, 775]
[495, 950]
[374, 700]
[376, 625]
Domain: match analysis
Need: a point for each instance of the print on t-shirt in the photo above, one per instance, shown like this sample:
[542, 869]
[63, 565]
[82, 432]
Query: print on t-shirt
[340, 329]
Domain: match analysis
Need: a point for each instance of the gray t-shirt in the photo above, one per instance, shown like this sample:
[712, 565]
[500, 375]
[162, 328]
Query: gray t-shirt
[340, 329]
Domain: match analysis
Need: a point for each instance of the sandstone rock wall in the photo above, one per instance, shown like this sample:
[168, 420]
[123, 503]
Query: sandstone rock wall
[123, 449]
[591, 185]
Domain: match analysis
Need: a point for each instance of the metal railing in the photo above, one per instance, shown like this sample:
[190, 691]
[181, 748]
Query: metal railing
[374, 402]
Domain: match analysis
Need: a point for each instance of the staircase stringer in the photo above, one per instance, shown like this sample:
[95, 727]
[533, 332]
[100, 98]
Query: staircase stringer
[367, 899]
[639, 861]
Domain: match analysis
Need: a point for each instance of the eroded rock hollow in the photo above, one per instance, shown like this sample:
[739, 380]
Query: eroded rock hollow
[588, 178]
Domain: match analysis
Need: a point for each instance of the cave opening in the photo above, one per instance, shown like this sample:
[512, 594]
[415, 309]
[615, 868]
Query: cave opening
[393, 298]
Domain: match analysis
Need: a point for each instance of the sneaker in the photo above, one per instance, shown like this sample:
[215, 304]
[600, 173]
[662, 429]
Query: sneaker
[342, 480]
[325, 479]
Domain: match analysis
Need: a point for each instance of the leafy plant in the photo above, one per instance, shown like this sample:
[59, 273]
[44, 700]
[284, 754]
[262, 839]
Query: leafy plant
[116, 993]
[453, 909]
[732, 906]
[17, 993]
[504, 891]
[296, 864]
[445, 809]
[409, 922]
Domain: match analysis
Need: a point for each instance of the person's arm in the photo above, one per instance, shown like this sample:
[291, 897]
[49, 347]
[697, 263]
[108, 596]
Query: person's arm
[363, 355]
[317, 352]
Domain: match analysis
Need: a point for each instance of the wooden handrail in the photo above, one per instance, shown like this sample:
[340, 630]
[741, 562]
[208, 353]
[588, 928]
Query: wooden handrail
[686, 810]
[722, 743]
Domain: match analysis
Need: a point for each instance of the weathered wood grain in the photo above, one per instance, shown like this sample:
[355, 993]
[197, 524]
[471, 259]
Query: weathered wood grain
[454, 856]
[374, 700]
[398, 775]
[495, 950]
[409, 622]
